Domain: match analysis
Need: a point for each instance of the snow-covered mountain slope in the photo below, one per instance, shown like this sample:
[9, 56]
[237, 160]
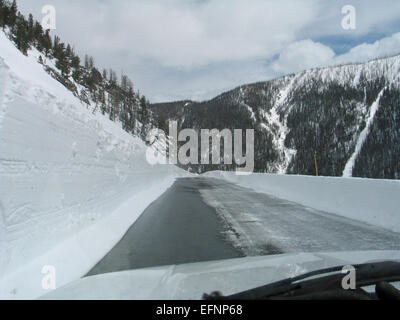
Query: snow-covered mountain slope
[67, 175]
[333, 111]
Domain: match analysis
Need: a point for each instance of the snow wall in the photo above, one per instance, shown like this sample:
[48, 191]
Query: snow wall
[376, 202]
[71, 181]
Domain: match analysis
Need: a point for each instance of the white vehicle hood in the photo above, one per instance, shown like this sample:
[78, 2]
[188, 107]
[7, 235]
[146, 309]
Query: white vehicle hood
[190, 281]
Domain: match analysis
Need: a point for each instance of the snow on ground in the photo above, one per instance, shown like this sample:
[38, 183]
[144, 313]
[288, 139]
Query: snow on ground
[372, 201]
[246, 106]
[348, 169]
[282, 129]
[71, 182]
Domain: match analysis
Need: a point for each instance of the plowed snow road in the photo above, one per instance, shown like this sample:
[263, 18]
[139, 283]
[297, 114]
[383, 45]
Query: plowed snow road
[200, 219]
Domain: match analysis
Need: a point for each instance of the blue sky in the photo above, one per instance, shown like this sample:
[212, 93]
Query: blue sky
[191, 49]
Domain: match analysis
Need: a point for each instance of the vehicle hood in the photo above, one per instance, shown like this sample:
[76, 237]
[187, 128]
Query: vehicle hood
[190, 281]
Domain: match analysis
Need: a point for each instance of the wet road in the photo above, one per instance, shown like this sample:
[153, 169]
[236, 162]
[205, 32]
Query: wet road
[201, 219]
[177, 228]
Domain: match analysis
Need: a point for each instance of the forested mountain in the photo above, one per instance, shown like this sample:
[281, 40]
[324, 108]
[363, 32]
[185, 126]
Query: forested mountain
[349, 116]
[101, 90]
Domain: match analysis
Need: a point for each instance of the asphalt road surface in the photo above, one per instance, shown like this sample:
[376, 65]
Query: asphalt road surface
[202, 219]
[177, 228]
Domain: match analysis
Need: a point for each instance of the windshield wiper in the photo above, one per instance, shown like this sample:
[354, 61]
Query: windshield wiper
[328, 287]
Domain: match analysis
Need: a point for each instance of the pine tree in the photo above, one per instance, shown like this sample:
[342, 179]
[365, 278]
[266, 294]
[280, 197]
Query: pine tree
[57, 47]
[2, 9]
[62, 62]
[38, 36]
[76, 66]
[12, 15]
[68, 51]
[5, 17]
[144, 112]
[21, 34]
[31, 25]
[46, 43]
[89, 62]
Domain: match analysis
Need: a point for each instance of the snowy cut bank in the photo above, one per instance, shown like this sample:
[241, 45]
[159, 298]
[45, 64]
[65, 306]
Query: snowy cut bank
[67, 176]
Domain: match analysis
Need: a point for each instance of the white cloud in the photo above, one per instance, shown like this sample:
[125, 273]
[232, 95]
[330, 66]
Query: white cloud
[302, 55]
[191, 36]
[372, 16]
[196, 48]
[307, 54]
[385, 47]
[181, 33]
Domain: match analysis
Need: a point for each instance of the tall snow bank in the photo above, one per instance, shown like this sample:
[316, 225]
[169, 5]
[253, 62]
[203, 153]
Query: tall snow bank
[376, 202]
[71, 182]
